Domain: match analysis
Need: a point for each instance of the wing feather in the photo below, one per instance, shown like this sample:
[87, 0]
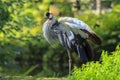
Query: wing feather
[75, 23]
[93, 37]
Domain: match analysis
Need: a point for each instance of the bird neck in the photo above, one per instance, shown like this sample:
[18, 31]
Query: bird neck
[56, 23]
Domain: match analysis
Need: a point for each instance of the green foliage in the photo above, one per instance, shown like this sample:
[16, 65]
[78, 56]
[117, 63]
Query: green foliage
[107, 27]
[23, 48]
[107, 69]
[4, 17]
[116, 8]
[109, 30]
[22, 45]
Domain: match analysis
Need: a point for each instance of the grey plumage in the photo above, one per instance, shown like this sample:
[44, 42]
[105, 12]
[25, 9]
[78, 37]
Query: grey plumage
[71, 33]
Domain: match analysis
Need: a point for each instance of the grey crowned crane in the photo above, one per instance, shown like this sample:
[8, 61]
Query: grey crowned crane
[72, 33]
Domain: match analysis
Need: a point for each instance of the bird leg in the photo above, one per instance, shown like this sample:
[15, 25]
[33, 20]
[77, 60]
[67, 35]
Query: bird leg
[66, 45]
[70, 61]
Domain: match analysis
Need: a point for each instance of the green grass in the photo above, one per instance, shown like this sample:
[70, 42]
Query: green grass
[107, 69]
[27, 78]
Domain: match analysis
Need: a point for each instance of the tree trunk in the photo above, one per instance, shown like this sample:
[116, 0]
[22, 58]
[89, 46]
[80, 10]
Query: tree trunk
[98, 7]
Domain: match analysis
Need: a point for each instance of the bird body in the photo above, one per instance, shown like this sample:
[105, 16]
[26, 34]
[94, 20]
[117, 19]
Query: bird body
[71, 32]
[67, 24]
[81, 28]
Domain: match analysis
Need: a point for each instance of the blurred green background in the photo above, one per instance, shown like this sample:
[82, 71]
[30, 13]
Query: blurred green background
[24, 51]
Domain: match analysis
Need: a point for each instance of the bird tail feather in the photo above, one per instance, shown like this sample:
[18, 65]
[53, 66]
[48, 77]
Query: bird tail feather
[93, 37]
[82, 53]
[89, 51]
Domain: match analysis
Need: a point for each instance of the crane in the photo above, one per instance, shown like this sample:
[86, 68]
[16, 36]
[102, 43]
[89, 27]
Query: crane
[71, 33]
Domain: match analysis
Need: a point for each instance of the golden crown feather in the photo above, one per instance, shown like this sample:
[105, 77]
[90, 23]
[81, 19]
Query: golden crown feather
[54, 10]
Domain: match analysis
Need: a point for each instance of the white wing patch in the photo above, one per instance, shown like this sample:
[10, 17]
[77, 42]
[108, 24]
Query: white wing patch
[75, 23]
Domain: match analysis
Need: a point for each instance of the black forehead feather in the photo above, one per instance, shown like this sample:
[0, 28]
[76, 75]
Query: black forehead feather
[47, 14]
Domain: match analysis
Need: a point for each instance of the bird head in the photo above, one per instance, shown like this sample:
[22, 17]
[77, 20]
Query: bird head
[53, 10]
[49, 16]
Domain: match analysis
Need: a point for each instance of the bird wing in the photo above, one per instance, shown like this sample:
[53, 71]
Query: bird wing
[79, 26]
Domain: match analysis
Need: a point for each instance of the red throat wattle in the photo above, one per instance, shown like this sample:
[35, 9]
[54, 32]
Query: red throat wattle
[49, 20]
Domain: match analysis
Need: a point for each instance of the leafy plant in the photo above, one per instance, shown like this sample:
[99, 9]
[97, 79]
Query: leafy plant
[106, 69]
[22, 45]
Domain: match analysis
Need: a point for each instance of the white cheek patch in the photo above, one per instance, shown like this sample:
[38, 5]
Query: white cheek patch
[50, 16]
